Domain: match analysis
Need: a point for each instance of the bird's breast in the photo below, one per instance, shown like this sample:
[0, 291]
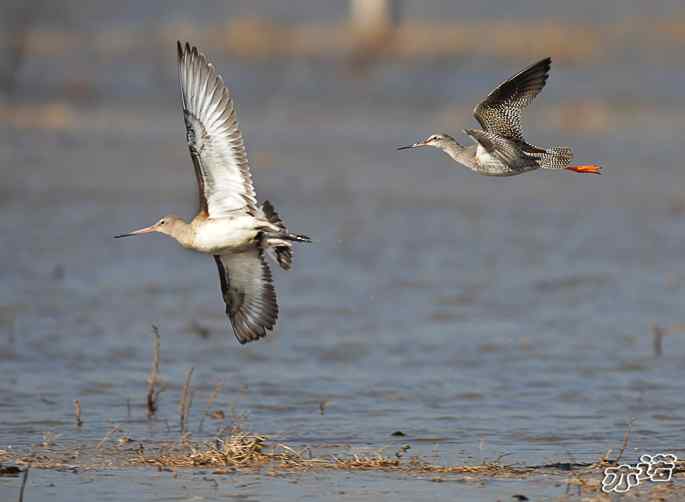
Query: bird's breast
[215, 236]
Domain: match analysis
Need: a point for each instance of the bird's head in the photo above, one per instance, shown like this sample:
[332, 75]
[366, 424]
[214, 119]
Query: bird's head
[435, 140]
[168, 225]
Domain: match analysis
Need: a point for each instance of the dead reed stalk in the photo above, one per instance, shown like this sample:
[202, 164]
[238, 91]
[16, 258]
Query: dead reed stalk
[107, 436]
[23, 483]
[77, 412]
[186, 400]
[153, 379]
[626, 438]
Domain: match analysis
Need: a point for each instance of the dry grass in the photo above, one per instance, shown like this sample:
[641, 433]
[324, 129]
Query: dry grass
[237, 451]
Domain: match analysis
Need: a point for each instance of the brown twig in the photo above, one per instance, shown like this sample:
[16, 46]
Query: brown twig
[186, 399]
[77, 412]
[23, 483]
[626, 438]
[153, 378]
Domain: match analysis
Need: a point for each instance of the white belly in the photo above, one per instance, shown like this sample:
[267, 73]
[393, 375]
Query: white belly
[213, 236]
[491, 165]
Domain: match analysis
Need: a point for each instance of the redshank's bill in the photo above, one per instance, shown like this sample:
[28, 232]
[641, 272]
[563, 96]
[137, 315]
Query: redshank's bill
[230, 225]
[500, 148]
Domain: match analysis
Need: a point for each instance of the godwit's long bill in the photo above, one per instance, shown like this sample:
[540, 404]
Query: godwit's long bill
[500, 148]
[230, 225]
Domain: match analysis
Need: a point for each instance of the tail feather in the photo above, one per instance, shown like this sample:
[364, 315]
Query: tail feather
[280, 243]
[555, 158]
[296, 237]
[284, 256]
[281, 254]
[271, 215]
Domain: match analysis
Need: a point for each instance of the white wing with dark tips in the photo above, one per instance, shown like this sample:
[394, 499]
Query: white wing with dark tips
[216, 145]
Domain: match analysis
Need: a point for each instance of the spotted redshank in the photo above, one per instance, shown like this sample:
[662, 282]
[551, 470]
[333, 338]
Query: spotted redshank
[230, 225]
[500, 148]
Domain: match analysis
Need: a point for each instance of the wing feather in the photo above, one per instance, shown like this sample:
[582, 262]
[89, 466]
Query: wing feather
[500, 112]
[214, 139]
[247, 289]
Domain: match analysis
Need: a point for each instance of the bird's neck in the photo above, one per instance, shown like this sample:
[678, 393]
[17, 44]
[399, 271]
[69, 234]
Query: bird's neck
[184, 233]
[458, 152]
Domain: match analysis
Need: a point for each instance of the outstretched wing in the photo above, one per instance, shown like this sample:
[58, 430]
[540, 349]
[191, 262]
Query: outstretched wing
[216, 145]
[500, 112]
[248, 293]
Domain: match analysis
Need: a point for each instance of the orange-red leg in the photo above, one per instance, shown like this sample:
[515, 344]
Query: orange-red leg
[586, 169]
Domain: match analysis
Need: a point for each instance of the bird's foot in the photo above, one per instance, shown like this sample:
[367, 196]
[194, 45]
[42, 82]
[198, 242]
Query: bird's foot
[586, 169]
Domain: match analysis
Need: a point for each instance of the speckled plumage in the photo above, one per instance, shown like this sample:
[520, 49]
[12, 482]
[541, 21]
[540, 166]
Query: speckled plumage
[500, 112]
[501, 149]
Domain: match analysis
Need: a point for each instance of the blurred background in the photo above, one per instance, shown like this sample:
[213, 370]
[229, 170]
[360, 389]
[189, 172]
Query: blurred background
[534, 315]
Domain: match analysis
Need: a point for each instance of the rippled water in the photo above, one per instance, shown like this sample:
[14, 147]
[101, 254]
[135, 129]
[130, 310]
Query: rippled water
[479, 316]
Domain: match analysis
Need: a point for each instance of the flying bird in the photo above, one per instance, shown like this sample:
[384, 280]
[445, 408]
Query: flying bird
[230, 225]
[500, 148]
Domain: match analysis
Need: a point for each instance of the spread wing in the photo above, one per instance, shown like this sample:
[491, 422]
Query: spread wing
[500, 112]
[216, 145]
[248, 293]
